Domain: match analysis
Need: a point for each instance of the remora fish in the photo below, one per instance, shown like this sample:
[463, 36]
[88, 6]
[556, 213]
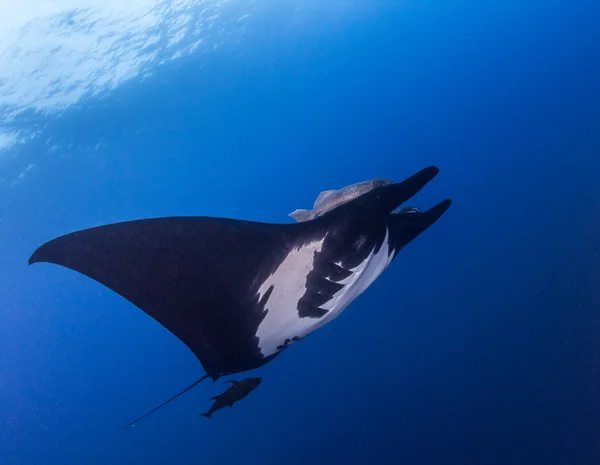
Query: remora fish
[237, 391]
[328, 200]
[238, 293]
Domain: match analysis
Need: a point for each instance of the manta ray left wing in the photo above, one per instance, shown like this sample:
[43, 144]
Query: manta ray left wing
[196, 276]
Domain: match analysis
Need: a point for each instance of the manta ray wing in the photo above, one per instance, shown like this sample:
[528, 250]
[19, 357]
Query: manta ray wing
[199, 277]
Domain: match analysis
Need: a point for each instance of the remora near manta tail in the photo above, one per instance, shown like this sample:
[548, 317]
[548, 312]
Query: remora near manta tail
[237, 292]
[235, 393]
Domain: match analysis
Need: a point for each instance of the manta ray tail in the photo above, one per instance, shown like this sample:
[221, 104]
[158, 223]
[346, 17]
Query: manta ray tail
[195, 383]
[302, 215]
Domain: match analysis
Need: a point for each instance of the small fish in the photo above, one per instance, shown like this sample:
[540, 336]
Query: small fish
[328, 200]
[237, 391]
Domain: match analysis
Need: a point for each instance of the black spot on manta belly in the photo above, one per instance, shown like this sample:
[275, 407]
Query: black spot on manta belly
[287, 342]
[306, 310]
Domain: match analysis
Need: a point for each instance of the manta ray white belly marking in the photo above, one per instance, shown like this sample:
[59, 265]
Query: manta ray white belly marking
[289, 285]
[283, 325]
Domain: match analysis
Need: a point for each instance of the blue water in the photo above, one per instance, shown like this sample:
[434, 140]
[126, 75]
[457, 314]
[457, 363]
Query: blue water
[481, 343]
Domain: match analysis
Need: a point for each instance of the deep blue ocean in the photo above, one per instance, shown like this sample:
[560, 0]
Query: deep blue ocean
[480, 345]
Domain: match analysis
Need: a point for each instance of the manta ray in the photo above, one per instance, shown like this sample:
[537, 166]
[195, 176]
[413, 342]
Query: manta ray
[238, 293]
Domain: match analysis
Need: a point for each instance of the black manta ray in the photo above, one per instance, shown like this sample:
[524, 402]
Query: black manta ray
[237, 292]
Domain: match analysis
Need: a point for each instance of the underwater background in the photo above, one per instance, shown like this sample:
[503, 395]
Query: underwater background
[480, 345]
